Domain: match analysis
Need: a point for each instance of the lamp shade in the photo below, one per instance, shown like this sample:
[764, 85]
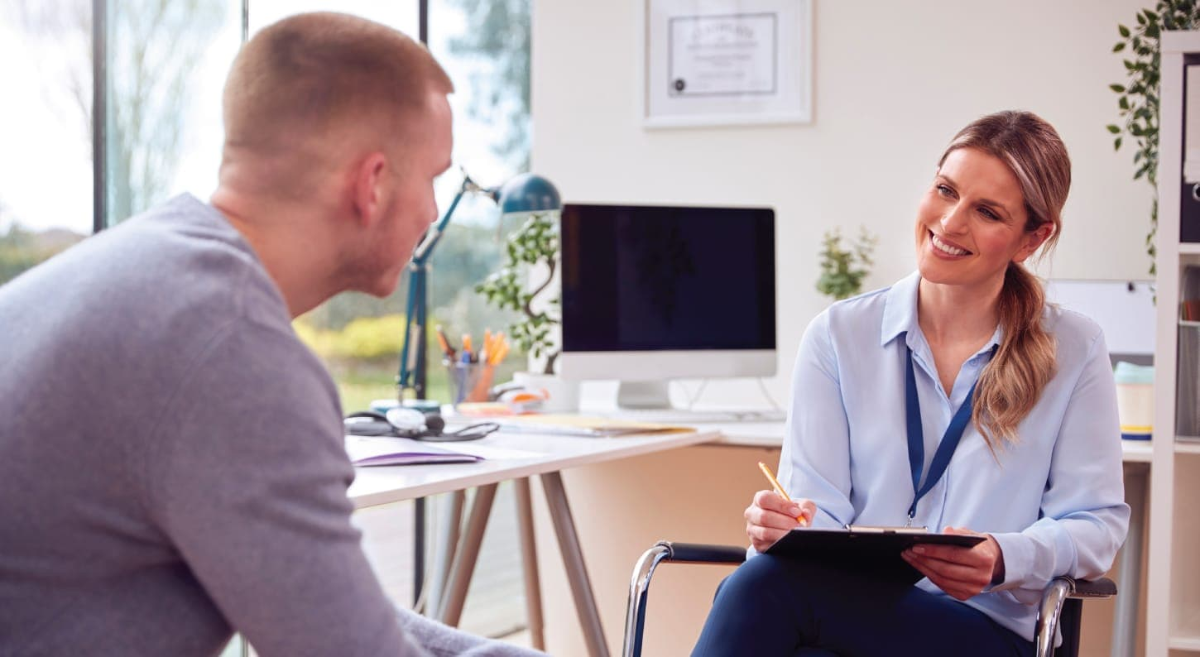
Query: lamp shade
[528, 192]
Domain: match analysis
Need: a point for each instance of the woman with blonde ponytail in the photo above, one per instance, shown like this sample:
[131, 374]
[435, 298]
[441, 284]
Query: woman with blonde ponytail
[957, 400]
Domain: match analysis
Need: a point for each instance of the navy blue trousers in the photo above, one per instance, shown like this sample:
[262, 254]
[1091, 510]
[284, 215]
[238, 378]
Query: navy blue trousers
[772, 606]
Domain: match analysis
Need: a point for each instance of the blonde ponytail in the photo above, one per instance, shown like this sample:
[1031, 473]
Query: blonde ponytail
[1012, 383]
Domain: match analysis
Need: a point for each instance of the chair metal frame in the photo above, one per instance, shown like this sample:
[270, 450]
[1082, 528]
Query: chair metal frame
[1061, 606]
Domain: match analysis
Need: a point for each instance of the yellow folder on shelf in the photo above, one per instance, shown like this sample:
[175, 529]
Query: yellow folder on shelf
[584, 425]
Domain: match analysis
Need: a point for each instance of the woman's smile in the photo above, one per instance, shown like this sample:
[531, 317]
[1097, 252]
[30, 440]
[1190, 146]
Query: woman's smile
[945, 248]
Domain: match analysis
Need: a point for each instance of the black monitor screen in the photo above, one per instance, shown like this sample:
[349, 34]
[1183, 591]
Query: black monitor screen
[649, 278]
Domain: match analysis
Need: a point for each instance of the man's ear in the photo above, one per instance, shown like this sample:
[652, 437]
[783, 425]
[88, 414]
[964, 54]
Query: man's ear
[370, 194]
[1034, 240]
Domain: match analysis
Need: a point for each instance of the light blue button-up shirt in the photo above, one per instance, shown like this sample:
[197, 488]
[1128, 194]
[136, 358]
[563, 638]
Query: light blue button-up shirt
[1054, 501]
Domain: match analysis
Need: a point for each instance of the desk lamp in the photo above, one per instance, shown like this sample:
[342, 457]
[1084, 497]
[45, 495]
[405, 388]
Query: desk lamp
[524, 193]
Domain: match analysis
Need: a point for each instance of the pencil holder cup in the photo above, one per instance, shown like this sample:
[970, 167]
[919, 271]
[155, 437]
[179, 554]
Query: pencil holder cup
[469, 382]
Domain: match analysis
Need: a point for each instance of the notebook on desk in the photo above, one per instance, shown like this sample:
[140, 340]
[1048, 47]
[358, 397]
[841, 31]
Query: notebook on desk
[585, 425]
[379, 450]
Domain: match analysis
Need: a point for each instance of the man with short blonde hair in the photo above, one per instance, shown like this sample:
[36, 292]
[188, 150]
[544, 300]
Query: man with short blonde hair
[333, 123]
[173, 467]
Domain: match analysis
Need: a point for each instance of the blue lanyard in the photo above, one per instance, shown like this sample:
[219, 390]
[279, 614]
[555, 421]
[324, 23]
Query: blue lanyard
[916, 435]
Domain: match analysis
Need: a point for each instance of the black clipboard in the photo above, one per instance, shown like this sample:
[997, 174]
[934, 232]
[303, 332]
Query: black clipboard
[871, 551]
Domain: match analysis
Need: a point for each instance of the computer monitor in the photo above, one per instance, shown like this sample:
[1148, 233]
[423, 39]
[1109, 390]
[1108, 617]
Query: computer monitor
[652, 293]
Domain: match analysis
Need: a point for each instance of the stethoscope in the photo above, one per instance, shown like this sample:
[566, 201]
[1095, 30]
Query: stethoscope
[410, 423]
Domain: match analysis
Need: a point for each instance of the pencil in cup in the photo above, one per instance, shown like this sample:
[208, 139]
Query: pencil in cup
[779, 489]
[483, 382]
[495, 348]
[470, 381]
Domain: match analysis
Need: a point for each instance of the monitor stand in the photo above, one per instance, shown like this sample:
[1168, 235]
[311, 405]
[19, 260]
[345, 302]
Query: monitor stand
[643, 394]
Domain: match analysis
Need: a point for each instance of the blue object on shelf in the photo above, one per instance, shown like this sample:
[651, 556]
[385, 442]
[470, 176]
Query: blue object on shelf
[1128, 373]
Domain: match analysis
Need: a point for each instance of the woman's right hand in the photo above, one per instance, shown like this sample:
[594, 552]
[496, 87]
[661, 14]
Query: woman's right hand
[770, 517]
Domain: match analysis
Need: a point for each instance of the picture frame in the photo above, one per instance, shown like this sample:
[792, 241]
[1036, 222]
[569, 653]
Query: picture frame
[726, 62]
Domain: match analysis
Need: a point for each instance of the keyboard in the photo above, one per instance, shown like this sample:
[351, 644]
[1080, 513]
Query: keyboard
[686, 417]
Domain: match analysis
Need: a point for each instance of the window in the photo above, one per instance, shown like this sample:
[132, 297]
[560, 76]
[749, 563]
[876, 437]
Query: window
[166, 62]
[45, 126]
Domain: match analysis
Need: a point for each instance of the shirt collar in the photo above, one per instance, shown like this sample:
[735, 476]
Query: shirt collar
[900, 309]
[900, 314]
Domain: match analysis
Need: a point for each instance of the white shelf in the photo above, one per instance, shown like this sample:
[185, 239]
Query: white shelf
[1190, 644]
[1189, 446]
[1136, 451]
[1185, 631]
[1171, 608]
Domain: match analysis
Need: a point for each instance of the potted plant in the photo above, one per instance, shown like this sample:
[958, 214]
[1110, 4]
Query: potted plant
[843, 269]
[1137, 100]
[525, 283]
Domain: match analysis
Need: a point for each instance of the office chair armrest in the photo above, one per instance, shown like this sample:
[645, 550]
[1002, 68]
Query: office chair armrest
[1096, 588]
[1054, 600]
[639, 584]
[698, 553]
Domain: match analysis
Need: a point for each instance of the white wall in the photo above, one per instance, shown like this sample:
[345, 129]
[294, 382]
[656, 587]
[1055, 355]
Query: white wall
[893, 82]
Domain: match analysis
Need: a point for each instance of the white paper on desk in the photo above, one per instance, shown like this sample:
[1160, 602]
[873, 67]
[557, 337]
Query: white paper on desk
[493, 452]
[378, 450]
[584, 425]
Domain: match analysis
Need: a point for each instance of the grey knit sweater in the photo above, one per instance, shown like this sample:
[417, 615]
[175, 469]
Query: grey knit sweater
[171, 461]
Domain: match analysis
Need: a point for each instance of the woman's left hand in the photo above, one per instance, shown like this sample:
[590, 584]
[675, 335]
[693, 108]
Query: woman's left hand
[961, 572]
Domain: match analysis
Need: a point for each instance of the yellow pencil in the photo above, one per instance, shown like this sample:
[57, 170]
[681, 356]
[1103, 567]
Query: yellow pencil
[501, 352]
[779, 489]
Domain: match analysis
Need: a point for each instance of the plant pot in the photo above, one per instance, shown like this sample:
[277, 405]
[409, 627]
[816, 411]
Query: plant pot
[563, 395]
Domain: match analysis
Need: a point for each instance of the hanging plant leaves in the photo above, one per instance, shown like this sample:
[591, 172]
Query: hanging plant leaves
[1138, 99]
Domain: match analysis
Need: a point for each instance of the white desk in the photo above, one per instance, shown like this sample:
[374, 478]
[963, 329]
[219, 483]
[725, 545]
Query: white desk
[543, 453]
[514, 456]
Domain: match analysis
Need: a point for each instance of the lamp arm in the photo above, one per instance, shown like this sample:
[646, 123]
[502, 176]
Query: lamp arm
[412, 361]
[425, 248]
[413, 315]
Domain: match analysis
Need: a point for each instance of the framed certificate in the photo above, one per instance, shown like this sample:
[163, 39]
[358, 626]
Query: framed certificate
[727, 62]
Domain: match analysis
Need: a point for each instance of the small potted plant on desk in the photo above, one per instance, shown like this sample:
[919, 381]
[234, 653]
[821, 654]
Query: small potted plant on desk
[843, 269]
[531, 255]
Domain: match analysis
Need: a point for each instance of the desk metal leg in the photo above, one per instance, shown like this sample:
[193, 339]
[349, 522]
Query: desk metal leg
[1137, 483]
[533, 589]
[450, 509]
[418, 548]
[467, 554]
[568, 544]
